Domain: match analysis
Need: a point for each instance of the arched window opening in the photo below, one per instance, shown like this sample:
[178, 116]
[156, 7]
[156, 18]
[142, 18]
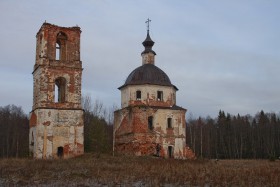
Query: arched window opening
[169, 122]
[150, 123]
[57, 52]
[138, 95]
[55, 93]
[61, 39]
[159, 95]
[60, 90]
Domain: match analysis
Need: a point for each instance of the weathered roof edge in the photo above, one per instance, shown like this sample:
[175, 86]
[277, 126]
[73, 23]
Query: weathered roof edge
[53, 25]
[174, 107]
[124, 85]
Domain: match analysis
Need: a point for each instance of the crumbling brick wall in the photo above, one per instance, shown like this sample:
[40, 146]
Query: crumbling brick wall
[132, 134]
[56, 122]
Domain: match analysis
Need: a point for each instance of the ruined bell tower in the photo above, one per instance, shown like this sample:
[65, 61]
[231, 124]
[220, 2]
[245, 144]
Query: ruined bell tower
[56, 120]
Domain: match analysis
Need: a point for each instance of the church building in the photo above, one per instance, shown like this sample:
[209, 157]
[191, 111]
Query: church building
[149, 121]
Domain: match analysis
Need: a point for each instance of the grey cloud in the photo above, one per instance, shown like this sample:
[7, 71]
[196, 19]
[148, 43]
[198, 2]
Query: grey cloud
[221, 55]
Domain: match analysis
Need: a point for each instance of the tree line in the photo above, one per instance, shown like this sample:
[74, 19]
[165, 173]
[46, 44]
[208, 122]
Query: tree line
[14, 132]
[224, 137]
[98, 126]
[14, 129]
[235, 137]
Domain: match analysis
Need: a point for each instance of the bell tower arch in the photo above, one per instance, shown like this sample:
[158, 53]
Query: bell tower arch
[56, 123]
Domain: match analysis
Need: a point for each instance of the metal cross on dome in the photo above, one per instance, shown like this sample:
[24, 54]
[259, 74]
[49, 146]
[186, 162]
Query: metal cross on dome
[148, 24]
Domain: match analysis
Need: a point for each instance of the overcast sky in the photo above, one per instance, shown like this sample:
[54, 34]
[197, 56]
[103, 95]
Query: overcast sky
[220, 54]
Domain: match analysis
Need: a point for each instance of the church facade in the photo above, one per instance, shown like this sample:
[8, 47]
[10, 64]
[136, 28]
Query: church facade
[149, 121]
[56, 120]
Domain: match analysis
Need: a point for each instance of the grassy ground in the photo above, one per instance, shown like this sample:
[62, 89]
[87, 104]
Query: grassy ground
[105, 170]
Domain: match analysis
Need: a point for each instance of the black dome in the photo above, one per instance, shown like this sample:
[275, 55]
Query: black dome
[148, 74]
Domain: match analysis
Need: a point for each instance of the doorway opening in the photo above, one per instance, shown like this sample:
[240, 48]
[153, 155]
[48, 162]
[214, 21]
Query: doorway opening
[170, 152]
[60, 152]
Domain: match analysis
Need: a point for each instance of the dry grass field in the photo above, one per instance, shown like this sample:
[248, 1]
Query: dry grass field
[105, 170]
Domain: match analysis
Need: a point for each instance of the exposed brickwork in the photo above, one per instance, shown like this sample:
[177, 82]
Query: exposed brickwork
[149, 117]
[56, 122]
[133, 136]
